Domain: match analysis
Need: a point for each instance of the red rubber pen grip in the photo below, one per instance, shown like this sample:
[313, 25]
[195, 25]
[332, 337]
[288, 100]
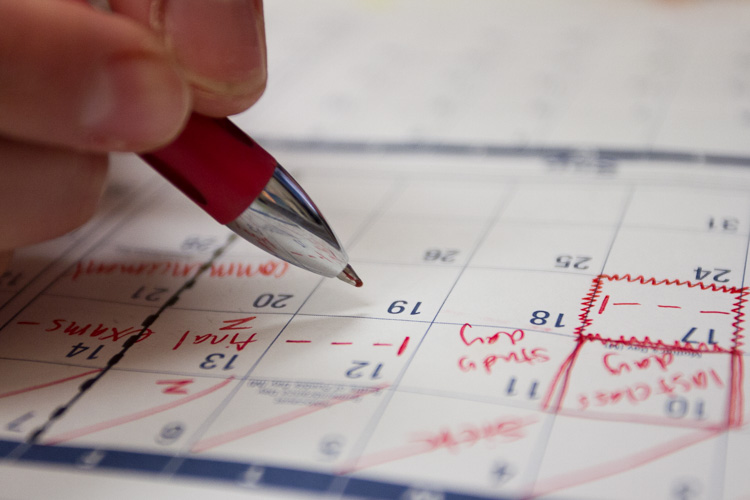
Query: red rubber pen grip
[216, 165]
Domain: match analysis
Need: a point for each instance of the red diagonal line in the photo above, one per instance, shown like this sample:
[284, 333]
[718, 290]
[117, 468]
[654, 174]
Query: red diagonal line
[298, 341]
[107, 424]
[620, 465]
[47, 384]
[604, 304]
[713, 312]
[626, 303]
[228, 437]
[403, 346]
[670, 307]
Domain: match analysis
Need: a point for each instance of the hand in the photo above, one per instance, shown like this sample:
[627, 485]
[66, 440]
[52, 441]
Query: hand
[77, 82]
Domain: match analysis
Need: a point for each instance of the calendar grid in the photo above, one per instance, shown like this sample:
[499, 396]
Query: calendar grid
[309, 322]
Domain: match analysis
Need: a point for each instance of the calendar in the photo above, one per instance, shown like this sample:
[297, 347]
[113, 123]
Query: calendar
[554, 309]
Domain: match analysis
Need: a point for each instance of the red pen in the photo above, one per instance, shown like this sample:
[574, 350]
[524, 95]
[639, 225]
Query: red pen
[240, 185]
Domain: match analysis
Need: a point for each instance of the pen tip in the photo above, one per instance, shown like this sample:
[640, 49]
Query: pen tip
[349, 276]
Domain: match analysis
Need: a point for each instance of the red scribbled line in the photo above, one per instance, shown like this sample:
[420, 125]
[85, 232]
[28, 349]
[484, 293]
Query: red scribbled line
[626, 303]
[619, 465]
[735, 414]
[596, 288]
[47, 384]
[738, 319]
[509, 429]
[670, 307]
[28, 323]
[677, 345]
[562, 377]
[228, 437]
[108, 424]
[298, 341]
[654, 282]
[177, 269]
[713, 312]
[604, 304]
[403, 346]
[586, 304]
[735, 404]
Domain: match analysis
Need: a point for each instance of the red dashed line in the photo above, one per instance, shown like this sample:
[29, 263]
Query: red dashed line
[341, 343]
[403, 346]
[378, 344]
[713, 312]
[604, 304]
[298, 341]
[670, 307]
[626, 303]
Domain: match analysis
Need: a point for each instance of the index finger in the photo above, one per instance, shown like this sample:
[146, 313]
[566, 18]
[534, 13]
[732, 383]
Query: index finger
[220, 44]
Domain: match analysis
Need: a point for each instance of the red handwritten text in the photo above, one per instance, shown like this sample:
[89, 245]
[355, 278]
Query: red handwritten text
[235, 340]
[507, 429]
[100, 331]
[676, 383]
[176, 269]
[514, 337]
[617, 367]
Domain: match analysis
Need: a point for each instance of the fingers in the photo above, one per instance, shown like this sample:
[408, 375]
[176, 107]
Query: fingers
[45, 192]
[220, 45]
[73, 76]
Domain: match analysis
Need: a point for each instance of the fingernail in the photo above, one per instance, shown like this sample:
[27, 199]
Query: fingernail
[134, 102]
[220, 44]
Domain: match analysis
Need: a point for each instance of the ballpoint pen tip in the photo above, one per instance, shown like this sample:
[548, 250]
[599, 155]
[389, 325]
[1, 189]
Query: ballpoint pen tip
[349, 276]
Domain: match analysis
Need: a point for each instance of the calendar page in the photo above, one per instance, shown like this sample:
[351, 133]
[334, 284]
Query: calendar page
[529, 328]
[550, 211]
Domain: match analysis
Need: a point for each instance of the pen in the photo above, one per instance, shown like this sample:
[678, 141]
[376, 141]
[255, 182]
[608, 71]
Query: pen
[240, 185]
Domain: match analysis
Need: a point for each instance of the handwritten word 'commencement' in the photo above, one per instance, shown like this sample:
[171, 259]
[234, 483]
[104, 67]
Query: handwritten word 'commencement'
[176, 269]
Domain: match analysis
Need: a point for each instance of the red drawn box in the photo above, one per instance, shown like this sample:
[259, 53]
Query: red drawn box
[664, 314]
